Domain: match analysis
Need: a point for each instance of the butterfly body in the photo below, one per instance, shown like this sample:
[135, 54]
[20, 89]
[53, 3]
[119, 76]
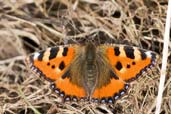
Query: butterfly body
[89, 69]
[83, 70]
[89, 72]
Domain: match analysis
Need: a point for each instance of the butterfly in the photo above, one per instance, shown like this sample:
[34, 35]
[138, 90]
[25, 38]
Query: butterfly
[99, 74]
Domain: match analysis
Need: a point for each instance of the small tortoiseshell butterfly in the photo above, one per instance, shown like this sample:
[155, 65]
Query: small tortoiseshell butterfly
[99, 74]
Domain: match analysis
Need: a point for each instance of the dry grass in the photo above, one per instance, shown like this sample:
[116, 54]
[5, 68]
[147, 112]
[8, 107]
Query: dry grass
[28, 26]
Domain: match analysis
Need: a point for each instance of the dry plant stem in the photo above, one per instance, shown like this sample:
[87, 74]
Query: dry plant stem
[22, 95]
[20, 19]
[51, 30]
[164, 59]
[12, 59]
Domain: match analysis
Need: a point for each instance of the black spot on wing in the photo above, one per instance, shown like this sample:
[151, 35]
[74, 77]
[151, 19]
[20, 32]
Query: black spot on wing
[41, 54]
[53, 52]
[62, 65]
[65, 51]
[118, 65]
[66, 74]
[113, 75]
[53, 66]
[74, 98]
[129, 51]
[67, 98]
[143, 55]
[121, 92]
[48, 63]
[153, 56]
[116, 50]
[128, 66]
[133, 63]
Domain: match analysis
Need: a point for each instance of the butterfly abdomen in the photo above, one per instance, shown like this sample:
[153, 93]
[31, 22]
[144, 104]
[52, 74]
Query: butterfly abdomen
[90, 68]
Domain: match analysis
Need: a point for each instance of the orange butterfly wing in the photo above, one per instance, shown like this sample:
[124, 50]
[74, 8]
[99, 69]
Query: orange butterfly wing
[53, 64]
[130, 62]
[111, 92]
[127, 64]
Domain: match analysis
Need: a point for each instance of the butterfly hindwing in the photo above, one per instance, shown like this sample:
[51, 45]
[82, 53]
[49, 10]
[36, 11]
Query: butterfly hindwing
[111, 92]
[68, 90]
[52, 63]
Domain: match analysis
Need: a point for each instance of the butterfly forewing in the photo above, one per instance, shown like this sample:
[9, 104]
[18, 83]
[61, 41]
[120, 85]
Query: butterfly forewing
[130, 62]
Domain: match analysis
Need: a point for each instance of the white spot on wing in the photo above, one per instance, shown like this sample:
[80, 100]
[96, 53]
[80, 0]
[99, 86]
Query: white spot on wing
[46, 55]
[148, 53]
[36, 55]
[60, 52]
[122, 93]
[123, 70]
[58, 70]
[122, 52]
[137, 54]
